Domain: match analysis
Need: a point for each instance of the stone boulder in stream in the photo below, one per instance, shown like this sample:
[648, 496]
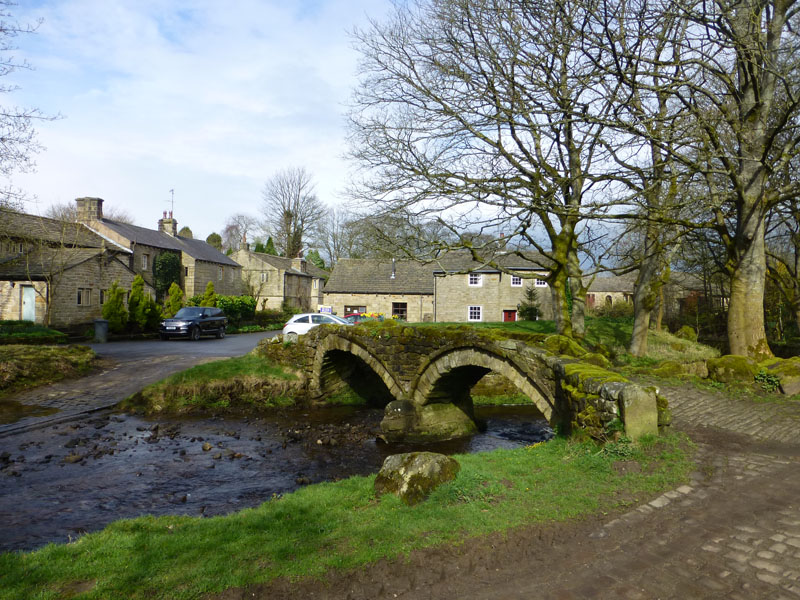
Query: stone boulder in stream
[414, 475]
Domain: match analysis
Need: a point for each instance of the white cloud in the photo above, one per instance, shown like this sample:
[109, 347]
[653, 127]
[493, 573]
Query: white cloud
[208, 98]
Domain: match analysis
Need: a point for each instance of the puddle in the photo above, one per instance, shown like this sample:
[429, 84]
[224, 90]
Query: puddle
[61, 481]
[12, 411]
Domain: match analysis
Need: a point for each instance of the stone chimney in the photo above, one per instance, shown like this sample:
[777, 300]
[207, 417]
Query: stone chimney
[89, 209]
[299, 263]
[168, 224]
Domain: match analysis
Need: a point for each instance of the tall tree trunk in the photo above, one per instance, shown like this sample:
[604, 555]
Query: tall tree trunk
[578, 291]
[645, 293]
[561, 315]
[746, 332]
[660, 310]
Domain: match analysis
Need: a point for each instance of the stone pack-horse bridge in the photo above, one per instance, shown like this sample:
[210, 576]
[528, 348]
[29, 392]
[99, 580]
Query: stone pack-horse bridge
[423, 376]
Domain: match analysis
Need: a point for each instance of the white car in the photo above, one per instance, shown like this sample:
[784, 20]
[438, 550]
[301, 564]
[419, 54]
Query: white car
[300, 324]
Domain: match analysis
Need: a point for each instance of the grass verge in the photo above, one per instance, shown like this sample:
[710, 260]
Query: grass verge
[24, 367]
[242, 383]
[28, 332]
[342, 525]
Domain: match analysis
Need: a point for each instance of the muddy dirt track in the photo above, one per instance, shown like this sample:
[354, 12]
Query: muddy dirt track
[732, 532]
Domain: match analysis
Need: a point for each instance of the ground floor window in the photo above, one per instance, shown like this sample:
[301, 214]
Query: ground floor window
[474, 313]
[350, 309]
[516, 281]
[541, 283]
[400, 310]
[103, 297]
[84, 296]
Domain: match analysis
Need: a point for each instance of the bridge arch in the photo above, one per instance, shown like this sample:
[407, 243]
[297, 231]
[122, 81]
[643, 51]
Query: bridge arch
[334, 361]
[449, 375]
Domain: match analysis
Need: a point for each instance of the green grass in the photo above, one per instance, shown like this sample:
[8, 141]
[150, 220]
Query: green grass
[244, 382]
[24, 367]
[27, 332]
[342, 525]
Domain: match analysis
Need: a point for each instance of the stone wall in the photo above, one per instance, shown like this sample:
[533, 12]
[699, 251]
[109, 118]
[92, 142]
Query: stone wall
[200, 272]
[419, 306]
[454, 296]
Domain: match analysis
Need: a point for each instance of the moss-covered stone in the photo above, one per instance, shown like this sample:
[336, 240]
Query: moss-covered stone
[669, 368]
[686, 333]
[596, 359]
[732, 368]
[413, 476]
[563, 346]
[787, 370]
[664, 412]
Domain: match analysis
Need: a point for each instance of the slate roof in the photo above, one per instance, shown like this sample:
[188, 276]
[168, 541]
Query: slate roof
[43, 263]
[281, 262]
[462, 262]
[22, 226]
[197, 249]
[613, 283]
[373, 276]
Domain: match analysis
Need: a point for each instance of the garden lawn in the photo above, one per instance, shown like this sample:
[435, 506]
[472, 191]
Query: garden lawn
[342, 525]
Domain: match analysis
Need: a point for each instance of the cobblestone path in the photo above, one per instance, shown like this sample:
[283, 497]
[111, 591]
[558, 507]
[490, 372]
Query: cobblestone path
[775, 420]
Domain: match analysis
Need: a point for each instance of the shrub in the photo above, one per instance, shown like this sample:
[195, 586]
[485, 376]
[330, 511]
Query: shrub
[114, 310]
[143, 312]
[686, 333]
[237, 308]
[174, 301]
[619, 309]
[209, 297]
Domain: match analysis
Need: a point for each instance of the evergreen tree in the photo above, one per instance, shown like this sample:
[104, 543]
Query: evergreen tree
[114, 310]
[143, 311]
[215, 239]
[315, 259]
[270, 247]
[174, 301]
[186, 233]
[260, 247]
[209, 297]
[528, 309]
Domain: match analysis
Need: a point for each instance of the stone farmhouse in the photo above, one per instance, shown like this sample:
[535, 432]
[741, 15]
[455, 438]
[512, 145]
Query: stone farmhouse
[395, 288]
[452, 289]
[55, 272]
[201, 262]
[468, 291]
[275, 280]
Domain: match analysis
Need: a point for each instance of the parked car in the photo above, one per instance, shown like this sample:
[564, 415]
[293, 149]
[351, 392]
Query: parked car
[194, 321]
[303, 323]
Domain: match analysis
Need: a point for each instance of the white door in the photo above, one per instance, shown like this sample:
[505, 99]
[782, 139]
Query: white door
[28, 303]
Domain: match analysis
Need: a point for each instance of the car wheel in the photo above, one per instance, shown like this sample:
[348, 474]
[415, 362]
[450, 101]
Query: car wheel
[221, 333]
[291, 337]
[194, 334]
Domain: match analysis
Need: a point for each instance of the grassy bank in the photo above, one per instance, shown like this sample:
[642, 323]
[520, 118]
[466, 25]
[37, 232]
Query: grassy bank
[342, 525]
[242, 383]
[24, 367]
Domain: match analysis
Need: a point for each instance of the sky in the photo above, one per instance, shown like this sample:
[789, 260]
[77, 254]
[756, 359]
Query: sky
[206, 98]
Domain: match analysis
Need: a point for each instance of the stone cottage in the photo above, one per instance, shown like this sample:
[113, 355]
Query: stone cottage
[275, 280]
[55, 272]
[201, 262]
[466, 290]
[395, 288]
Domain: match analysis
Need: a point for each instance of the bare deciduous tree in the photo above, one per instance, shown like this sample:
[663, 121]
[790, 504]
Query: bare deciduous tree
[237, 228]
[291, 210]
[68, 211]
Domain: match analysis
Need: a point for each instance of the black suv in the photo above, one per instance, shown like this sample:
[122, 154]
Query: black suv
[194, 321]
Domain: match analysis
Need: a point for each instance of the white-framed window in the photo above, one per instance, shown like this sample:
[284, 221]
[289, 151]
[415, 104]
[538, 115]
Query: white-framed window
[264, 277]
[541, 283]
[516, 281]
[316, 284]
[145, 261]
[475, 280]
[84, 297]
[474, 313]
[220, 271]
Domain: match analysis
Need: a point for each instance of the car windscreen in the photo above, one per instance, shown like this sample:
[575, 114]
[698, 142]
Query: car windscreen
[189, 312]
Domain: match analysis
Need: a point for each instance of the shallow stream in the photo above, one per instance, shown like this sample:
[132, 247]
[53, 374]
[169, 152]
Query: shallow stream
[59, 482]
